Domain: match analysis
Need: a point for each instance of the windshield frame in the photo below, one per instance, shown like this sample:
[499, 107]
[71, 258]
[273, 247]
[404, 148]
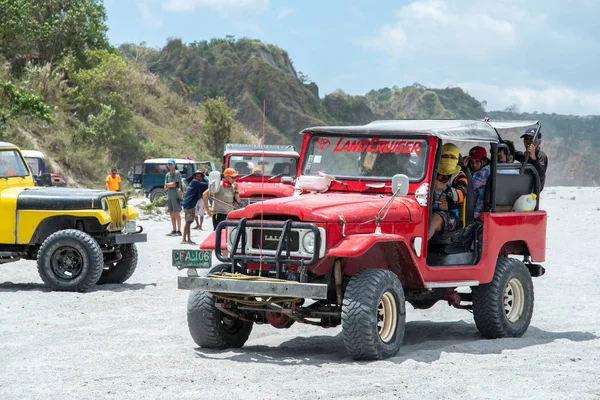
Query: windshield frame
[38, 163]
[17, 156]
[229, 163]
[424, 139]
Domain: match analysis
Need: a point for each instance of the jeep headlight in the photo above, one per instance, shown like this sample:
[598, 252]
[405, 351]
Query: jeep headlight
[231, 232]
[308, 242]
[104, 205]
[231, 236]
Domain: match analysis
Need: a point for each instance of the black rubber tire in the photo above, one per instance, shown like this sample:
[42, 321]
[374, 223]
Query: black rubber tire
[122, 270]
[210, 328]
[488, 301]
[87, 249]
[155, 193]
[219, 268]
[360, 315]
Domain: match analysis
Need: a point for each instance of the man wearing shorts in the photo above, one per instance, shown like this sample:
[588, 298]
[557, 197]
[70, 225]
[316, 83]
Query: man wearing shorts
[192, 196]
[172, 185]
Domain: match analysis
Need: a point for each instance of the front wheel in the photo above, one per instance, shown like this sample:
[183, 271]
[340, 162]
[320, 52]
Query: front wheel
[504, 307]
[70, 260]
[373, 315]
[120, 271]
[212, 329]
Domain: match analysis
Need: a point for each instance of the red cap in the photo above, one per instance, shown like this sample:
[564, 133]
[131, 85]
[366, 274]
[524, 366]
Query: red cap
[230, 172]
[477, 153]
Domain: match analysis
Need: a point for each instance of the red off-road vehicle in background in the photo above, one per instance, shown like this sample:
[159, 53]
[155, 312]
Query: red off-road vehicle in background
[352, 248]
[267, 172]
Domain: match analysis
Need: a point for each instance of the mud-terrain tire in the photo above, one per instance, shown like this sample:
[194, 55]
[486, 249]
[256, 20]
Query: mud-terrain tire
[120, 271]
[373, 315]
[504, 307]
[209, 327]
[156, 193]
[70, 260]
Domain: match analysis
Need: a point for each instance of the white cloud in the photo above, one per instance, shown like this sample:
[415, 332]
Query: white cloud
[441, 31]
[224, 6]
[284, 12]
[146, 15]
[558, 99]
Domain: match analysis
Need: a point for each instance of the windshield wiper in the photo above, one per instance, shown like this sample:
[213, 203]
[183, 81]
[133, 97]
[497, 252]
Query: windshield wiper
[275, 176]
[375, 186]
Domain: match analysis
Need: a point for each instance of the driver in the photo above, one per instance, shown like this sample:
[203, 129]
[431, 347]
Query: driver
[450, 191]
[390, 164]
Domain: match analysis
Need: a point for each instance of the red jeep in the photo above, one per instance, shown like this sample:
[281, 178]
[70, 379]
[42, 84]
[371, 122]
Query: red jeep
[267, 172]
[352, 248]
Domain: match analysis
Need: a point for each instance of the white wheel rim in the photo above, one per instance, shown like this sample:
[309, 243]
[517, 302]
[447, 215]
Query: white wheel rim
[514, 300]
[387, 317]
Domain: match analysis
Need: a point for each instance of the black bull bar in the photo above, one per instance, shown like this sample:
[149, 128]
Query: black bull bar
[282, 256]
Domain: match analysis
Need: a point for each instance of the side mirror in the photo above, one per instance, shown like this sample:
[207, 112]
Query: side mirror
[46, 180]
[400, 185]
[287, 179]
[214, 181]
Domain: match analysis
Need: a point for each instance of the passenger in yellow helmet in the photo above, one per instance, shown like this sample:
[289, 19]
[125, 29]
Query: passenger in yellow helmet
[450, 191]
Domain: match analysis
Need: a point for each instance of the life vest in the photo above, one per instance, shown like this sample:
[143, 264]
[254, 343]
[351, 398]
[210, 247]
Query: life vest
[440, 199]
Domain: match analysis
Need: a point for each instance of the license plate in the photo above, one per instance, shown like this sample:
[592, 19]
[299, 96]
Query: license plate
[191, 258]
[130, 227]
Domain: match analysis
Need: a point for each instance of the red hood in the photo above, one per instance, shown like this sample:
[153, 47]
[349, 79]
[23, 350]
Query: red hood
[269, 189]
[329, 207]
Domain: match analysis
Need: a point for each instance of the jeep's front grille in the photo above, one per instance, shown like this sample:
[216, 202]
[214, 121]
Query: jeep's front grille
[116, 215]
[270, 239]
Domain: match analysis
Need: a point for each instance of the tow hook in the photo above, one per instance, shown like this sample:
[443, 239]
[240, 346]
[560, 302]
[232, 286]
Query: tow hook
[118, 253]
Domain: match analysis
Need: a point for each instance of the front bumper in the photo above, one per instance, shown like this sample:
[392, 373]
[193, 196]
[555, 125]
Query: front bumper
[122, 238]
[315, 291]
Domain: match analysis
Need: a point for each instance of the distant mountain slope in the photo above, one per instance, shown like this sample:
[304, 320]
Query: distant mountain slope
[247, 72]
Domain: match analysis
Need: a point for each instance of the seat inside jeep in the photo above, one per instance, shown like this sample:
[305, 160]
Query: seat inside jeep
[463, 246]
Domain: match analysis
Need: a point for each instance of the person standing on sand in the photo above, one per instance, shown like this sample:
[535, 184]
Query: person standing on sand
[173, 183]
[113, 181]
[224, 199]
[192, 196]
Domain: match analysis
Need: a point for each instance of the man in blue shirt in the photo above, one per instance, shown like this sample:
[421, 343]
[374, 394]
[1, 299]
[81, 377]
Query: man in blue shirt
[193, 194]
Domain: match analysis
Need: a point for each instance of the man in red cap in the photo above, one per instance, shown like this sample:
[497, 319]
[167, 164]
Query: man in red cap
[479, 165]
[223, 200]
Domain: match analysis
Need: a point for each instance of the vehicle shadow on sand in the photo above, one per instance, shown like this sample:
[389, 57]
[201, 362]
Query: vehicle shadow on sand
[424, 341]
[40, 287]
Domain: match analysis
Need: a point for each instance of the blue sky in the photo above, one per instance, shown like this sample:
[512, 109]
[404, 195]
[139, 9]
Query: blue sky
[541, 55]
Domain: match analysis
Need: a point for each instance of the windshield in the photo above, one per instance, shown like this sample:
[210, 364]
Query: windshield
[273, 165]
[11, 164]
[360, 157]
[34, 165]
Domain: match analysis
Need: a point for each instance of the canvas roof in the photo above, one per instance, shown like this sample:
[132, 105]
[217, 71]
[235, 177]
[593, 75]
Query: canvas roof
[456, 130]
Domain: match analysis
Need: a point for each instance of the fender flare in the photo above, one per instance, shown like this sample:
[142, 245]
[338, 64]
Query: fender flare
[357, 245]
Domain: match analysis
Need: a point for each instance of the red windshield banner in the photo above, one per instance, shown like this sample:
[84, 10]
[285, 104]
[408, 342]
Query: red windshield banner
[376, 145]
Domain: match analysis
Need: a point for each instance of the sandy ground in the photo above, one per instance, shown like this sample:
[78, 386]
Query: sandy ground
[131, 341]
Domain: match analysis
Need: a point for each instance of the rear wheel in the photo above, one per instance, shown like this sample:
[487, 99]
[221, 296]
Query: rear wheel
[504, 307]
[70, 260]
[373, 315]
[120, 271]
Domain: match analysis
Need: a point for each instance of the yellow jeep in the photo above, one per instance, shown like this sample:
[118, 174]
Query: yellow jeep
[80, 237]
